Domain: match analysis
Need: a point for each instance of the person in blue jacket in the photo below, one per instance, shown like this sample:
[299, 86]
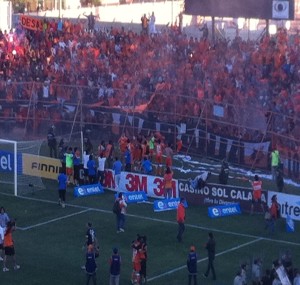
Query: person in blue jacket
[115, 268]
[62, 187]
[192, 265]
[147, 166]
[91, 165]
[90, 265]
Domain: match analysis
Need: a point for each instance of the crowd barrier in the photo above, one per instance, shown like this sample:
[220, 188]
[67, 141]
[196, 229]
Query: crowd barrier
[210, 131]
[211, 195]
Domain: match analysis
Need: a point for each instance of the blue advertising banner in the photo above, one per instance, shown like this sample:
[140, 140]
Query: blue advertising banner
[167, 204]
[223, 211]
[6, 161]
[135, 197]
[87, 190]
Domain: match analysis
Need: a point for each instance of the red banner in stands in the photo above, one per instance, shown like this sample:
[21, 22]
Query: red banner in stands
[31, 23]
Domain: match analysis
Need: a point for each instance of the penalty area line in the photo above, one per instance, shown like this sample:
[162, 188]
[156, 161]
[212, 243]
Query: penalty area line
[203, 259]
[53, 220]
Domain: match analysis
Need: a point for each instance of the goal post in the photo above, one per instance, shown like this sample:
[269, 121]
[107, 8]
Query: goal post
[15, 157]
[9, 163]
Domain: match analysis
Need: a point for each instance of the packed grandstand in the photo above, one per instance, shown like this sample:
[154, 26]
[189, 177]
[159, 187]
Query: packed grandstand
[226, 99]
[222, 98]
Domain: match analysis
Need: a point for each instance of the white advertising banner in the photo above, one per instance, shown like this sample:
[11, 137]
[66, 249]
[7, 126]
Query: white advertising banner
[6, 15]
[289, 204]
[135, 182]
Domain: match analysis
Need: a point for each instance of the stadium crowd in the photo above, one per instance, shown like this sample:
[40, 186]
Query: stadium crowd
[118, 68]
[122, 68]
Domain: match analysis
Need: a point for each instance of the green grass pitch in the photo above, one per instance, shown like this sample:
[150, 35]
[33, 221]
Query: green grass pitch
[49, 240]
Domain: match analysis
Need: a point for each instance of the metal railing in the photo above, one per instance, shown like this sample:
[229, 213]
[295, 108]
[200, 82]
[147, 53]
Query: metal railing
[205, 127]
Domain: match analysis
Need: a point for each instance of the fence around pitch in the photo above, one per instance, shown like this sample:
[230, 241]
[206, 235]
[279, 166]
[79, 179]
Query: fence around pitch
[215, 130]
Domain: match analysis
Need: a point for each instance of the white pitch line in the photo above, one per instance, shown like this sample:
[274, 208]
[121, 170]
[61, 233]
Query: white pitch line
[159, 220]
[203, 259]
[52, 221]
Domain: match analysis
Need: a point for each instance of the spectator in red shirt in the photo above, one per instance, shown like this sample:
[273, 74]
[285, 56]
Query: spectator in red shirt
[274, 209]
[180, 219]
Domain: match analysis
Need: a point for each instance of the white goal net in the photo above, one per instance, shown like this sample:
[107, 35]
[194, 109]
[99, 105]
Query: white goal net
[17, 163]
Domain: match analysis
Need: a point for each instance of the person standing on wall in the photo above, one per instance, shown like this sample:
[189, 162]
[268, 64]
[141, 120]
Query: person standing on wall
[169, 155]
[145, 24]
[128, 159]
[69, 163]
[77, 165]
[86, 157]
[224, 173]
[180, 219]
[211, 250]
[275, 162]
[91, 22]
[117, 168]
[109, 149]
[204, 30]
[168, 177]
[52, 143]
[101, 168]
[279, 180]
[158, 157]
[151, 144]
[152, 28]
